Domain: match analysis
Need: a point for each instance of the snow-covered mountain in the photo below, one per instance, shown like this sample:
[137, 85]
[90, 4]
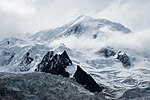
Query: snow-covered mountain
[85, 42]
[83, 25]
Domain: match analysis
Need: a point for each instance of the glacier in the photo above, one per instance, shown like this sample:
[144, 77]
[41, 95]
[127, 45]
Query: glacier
[89, 43]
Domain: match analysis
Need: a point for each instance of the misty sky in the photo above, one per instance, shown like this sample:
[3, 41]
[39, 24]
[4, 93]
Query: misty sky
[22, 16]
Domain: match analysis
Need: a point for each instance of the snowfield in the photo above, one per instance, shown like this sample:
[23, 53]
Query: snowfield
[119, 66]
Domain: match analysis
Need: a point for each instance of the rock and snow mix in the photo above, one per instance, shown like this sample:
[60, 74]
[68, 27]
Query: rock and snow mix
[111, 67]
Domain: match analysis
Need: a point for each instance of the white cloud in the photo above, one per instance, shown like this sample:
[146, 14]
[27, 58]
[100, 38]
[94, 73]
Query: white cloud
[132, 13]
[19, 7]
[138, 42]
[21, 16]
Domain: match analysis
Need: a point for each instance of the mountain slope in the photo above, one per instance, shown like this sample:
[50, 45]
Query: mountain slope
[87, 43]
[81, 25]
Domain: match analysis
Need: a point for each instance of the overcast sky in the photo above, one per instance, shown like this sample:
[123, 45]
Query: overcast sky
[22, 16]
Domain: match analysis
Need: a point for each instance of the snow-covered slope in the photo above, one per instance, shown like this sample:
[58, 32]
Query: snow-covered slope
[17, 53]
[87, 42]
[82, 25]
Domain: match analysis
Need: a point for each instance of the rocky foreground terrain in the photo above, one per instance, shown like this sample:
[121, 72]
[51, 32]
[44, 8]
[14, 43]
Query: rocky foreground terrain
[44, 86]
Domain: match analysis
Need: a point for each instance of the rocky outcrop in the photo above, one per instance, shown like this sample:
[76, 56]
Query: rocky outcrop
[45, 61]
[26, 60]
[124, 58]
[94, 36]
[86, 80]
[106, 52]
[55, 64]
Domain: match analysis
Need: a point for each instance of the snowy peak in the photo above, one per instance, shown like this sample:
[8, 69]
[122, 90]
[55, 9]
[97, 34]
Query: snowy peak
[80, 26]
[82, 18]
[99, 23]
[60, 48]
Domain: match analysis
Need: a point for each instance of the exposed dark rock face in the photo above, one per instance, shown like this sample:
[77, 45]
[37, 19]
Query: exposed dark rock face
[65, 59]
[26, 59]
[95, 36]
[124, 59]
[55, 64]
[76, 29]
[86, 80]
[106, 52]
[45, 60]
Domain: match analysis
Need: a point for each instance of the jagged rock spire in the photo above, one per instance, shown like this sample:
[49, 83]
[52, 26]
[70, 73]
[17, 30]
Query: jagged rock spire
[86, 80]
[55, 64]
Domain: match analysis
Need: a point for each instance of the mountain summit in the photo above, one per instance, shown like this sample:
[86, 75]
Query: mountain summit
[82, 25]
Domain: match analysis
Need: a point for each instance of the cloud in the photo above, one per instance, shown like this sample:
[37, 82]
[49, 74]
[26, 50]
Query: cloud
[138, 42]
[20, 16]
[14, 15]
[132, 13]
[19, 7]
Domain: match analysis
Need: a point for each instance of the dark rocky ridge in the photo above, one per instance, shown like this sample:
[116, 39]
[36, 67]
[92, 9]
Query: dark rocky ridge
[48, 56]
[122, 57]
[86, 80]
[55, 64]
